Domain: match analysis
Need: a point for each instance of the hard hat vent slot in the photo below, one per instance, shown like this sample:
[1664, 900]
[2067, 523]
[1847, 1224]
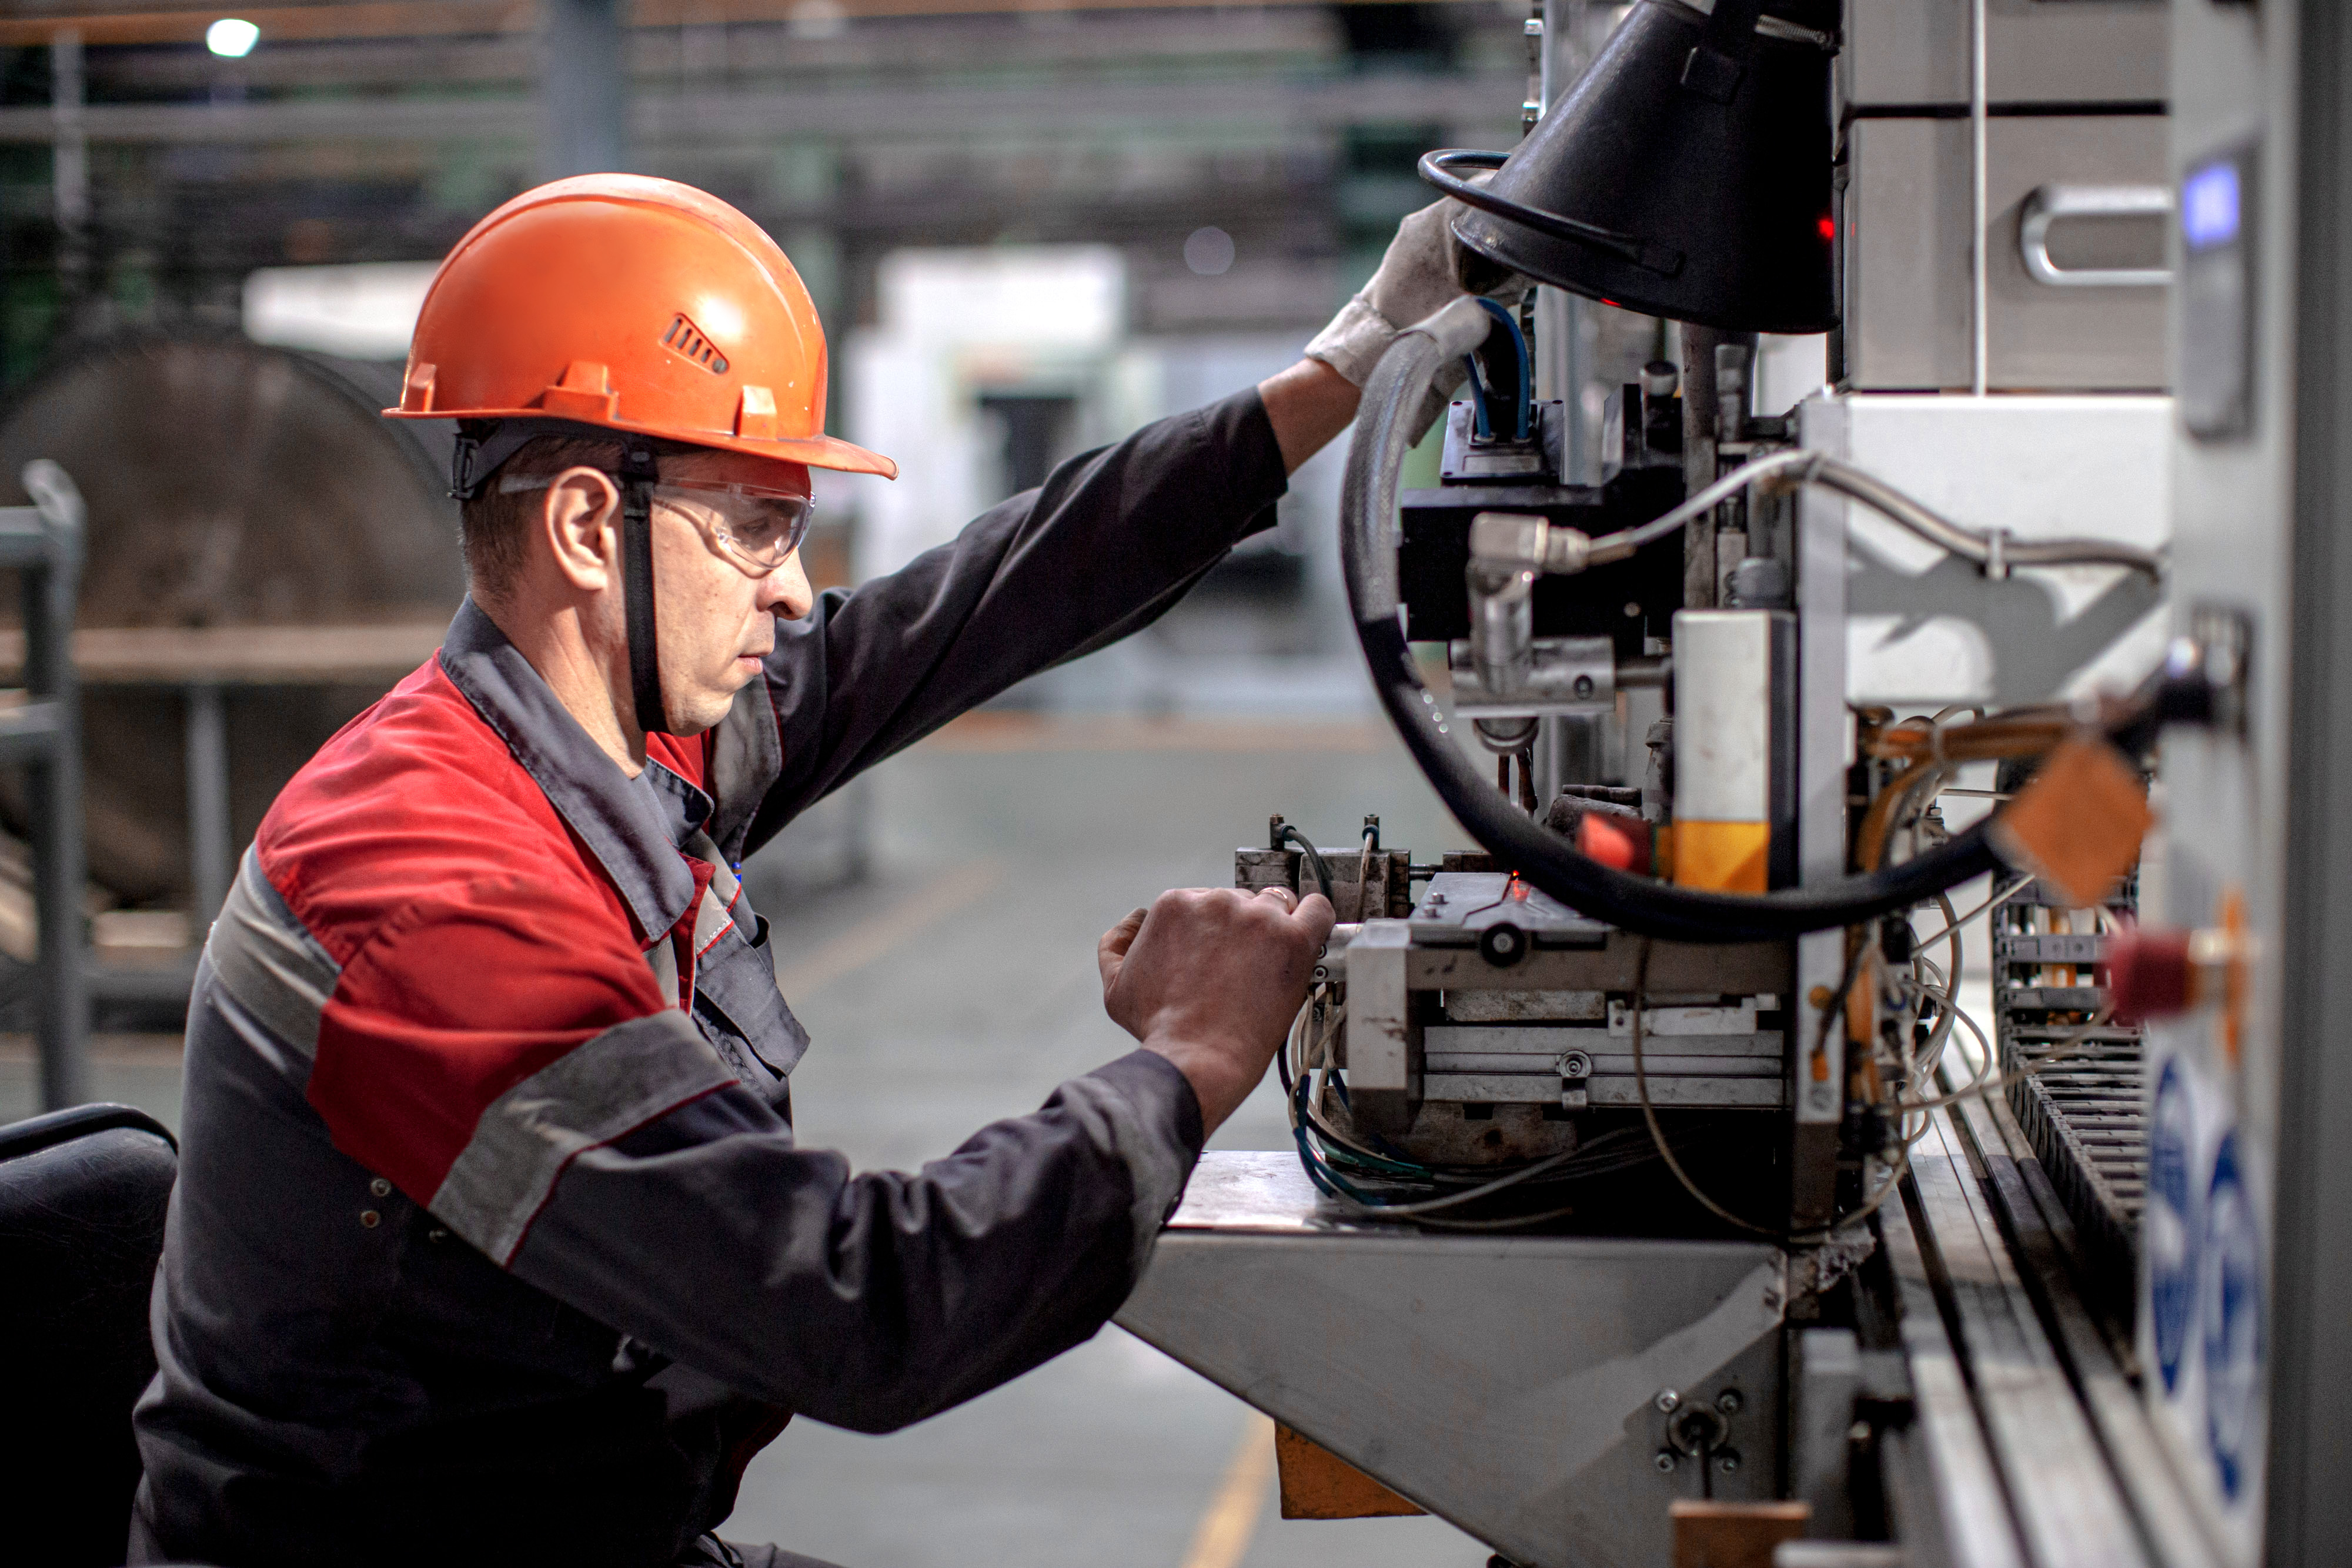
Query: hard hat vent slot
[686, 339]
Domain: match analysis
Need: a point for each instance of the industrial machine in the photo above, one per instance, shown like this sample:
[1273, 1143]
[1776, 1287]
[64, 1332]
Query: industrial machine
[1665, 1190]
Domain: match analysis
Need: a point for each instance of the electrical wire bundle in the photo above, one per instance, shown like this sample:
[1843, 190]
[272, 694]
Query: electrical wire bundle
[1378, 1179]
[1373, 1176]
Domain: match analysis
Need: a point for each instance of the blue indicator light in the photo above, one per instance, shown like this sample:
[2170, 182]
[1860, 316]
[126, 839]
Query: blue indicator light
[2209, 206]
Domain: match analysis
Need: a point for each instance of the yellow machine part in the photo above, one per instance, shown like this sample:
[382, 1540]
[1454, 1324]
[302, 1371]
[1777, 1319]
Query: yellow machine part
[1723, 857]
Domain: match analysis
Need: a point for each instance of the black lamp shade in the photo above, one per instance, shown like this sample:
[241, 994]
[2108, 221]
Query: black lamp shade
[1686, 173]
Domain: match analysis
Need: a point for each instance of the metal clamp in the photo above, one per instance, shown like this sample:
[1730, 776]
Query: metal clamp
[1575, 1080]
[2048, 203]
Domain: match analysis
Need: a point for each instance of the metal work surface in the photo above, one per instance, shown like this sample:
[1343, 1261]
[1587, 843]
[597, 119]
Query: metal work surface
[2029, 1445]
[1520, 1388]
[2064, 1498]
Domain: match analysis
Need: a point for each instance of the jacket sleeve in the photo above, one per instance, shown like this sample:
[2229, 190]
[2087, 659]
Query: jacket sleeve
[559, 1115]
[871, 1301]
[1111, 540]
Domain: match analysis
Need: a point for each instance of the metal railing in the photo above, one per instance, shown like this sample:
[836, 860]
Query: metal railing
[42, 544]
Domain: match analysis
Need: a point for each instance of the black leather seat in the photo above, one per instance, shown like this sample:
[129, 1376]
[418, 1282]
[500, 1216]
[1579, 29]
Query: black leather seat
[82, 1194]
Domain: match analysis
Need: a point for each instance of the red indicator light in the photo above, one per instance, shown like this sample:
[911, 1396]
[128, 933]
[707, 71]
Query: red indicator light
[1828, 228]
[1613, 304]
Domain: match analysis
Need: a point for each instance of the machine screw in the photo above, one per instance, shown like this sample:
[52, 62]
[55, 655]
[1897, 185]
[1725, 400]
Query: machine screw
[1502, 945]
[1667, 1402]
[1729, 1402]
[1665, 1459]
[1584, 686]
[1727, 1462]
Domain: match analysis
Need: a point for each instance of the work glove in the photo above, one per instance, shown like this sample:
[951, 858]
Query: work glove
[1425, 268]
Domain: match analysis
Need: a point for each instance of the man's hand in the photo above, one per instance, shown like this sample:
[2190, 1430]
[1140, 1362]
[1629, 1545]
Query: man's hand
[1425, 268]
[1210, 977]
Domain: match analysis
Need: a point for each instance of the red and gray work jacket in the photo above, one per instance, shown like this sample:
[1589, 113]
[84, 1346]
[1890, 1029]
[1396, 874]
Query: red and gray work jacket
[491, 1240]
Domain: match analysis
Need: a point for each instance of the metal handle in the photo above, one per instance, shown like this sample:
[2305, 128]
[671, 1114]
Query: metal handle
[2048, 203]
[1438, 168]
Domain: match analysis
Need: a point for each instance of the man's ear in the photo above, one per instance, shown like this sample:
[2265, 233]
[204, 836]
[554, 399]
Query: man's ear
[580, 524]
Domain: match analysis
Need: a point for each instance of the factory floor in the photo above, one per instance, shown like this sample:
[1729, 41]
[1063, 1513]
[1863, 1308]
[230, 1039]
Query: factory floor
[955, 984]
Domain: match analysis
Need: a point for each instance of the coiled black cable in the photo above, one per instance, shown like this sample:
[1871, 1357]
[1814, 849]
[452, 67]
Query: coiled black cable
[1368, 505]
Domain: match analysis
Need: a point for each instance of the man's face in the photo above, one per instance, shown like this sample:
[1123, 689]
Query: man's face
[714, 605]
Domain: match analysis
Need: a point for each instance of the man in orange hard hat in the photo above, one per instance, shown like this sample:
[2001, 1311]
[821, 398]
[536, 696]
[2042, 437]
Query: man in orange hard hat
[491, 1239]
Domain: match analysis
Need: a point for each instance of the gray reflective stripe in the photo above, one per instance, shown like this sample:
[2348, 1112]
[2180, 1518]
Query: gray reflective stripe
[607, 1085]
[1154, 1169]
[710, 918]
[711, 915]
[266, 960]
[662, 959]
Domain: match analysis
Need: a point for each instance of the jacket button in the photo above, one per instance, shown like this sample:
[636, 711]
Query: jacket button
[369, 1218]
[380, 1188]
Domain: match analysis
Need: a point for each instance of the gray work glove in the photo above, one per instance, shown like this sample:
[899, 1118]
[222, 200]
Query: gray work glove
[1424, 269]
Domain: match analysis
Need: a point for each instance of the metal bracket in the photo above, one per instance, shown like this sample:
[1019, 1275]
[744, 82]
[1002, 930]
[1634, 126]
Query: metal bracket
[1575, 1070]
[1565, 674]
[1383, 1037]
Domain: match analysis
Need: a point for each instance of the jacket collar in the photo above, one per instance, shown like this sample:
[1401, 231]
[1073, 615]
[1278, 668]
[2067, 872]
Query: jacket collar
[633, 826]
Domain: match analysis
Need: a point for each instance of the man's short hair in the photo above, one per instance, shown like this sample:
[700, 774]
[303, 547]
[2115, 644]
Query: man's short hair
[496, 525]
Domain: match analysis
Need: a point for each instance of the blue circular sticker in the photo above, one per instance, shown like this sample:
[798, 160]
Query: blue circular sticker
[2171, 1229]
[2232, 1287]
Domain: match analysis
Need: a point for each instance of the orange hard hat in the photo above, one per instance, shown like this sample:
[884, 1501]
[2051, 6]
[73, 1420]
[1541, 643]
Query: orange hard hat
[632, 304]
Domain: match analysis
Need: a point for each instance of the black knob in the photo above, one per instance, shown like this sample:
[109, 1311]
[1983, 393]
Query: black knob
[1502, 945]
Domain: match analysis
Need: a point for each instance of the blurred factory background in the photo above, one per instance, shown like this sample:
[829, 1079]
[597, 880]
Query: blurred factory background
[1029, 228]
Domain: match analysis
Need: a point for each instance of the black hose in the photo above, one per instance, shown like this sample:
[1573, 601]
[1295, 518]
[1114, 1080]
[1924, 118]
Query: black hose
[1649, 908]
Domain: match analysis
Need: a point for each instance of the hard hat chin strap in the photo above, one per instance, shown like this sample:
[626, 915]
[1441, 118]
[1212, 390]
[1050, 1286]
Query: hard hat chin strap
[482, 448]
[637, 475]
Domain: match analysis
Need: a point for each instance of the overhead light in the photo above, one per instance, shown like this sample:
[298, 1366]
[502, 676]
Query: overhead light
[232, 37]
[1209, 252]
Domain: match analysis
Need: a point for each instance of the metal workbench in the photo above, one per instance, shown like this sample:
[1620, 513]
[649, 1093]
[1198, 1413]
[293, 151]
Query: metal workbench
[1526, 1387]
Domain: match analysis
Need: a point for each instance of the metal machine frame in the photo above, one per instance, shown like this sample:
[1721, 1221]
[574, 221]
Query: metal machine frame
[1965, 1378]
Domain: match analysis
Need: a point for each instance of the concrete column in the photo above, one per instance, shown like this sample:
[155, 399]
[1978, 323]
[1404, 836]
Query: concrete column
[70, 165]
[211, 854]
[583, 89]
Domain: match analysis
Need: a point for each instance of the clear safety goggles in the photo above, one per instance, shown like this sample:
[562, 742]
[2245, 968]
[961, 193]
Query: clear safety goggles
[759, 526]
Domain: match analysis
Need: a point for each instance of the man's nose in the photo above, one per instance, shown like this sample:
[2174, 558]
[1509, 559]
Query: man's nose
[786, 592]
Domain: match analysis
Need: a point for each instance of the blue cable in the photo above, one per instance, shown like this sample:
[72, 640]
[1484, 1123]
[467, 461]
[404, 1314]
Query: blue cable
[1524, 399]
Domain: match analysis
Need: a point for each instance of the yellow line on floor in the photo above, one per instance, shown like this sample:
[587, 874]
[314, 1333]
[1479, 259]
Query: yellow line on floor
[878, 934]
[1226, 1529]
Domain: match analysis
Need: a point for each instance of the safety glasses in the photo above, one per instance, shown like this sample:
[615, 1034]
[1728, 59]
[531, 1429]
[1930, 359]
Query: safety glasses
[759, 526]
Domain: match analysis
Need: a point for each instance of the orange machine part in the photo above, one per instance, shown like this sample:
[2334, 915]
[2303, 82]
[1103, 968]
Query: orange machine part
[1734, 1534]
[634, 304]
[1319, 1484]
[2079, 820]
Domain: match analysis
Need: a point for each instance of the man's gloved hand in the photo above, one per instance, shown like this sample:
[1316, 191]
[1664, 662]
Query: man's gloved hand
[1425, 268]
